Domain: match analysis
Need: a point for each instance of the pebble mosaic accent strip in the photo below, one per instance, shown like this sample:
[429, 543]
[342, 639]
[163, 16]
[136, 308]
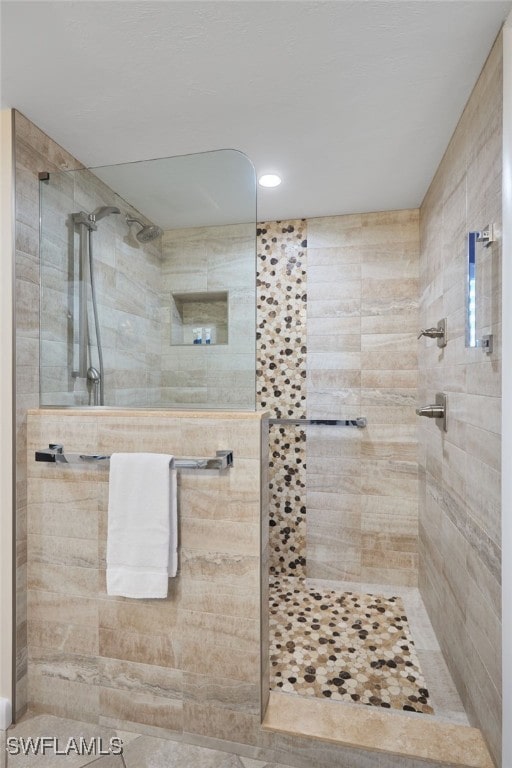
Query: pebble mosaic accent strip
[287, 484]
[281, 317]
[344, 646]
[281, 383]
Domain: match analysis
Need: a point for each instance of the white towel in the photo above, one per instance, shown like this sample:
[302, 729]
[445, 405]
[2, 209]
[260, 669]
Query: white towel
[142, 540]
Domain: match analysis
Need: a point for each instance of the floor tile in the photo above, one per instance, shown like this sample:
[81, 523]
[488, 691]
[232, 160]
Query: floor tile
[147, 752]
[61, 731]
[109, 761]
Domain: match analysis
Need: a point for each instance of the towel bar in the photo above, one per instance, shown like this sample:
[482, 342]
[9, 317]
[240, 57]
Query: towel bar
[55, 454]
[360, 422]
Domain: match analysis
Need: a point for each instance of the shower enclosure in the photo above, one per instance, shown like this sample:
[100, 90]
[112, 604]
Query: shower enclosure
[150, 298]
[148, 284]
[352, 498]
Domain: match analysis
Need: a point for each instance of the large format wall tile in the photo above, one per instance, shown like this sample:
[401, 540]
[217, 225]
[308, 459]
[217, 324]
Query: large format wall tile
[362, 321]
[200, 260]
[188, 662]
[460, 505]
[34, 152]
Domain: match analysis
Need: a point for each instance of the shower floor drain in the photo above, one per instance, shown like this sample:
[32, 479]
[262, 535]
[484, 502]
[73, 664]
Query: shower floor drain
[344, 646]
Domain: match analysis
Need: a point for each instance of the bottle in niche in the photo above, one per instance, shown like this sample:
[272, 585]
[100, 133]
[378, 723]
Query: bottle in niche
[198, 335]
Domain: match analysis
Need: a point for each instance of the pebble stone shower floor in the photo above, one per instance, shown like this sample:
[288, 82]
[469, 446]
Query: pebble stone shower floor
[343, 646]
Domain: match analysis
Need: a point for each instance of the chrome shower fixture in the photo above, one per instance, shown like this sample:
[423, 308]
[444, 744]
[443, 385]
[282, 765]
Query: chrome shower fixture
[87, 225]
[94, 377]
[102, 211]
[90, 219]
[439, 333]
[436, 410]
[147, 232]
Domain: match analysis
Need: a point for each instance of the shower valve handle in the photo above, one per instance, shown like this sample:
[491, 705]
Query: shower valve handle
[437, 410]
[431, 411]
[432, 333]
[439, 333]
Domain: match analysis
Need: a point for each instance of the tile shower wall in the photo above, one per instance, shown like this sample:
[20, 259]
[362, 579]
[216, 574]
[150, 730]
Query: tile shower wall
[362, 321]
[185, 668]
[34, 152]
[209, 260]
[149, 356]
[359, 323]
[189, 663]
[460, 514]
[281, 383]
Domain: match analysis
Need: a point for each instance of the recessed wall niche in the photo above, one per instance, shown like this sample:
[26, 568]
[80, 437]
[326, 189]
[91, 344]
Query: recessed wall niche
[200, 318]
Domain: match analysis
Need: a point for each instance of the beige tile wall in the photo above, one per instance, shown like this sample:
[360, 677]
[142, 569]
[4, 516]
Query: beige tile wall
[188, 663]
[460, 514]
[34, 152]
[187, 667]
[362, 322]
[131, 335]
[210, 259]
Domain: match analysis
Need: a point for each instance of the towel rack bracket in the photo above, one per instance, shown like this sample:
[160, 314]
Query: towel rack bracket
[52, 454]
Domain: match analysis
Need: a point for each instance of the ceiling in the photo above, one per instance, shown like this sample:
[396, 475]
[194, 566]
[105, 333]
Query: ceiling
[353, 102]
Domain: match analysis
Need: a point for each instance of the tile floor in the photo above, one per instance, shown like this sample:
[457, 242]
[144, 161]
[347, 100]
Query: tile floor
[138, 751]
[347, 646]
[374, 657]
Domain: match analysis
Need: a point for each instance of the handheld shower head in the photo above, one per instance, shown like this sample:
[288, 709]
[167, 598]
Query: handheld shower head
[147, 232]
[102, 211]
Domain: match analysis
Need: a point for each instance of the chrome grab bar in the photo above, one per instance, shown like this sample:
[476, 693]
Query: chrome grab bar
[360, 422]
[54, 454]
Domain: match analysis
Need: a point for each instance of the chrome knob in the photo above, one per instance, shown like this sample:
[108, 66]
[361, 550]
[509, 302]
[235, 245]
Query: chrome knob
[93, 375]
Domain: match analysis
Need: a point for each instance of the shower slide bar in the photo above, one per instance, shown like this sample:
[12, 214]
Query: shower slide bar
[360, 422]
[54, 454]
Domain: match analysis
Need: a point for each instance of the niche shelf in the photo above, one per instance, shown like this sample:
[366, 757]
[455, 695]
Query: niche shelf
[203, 309]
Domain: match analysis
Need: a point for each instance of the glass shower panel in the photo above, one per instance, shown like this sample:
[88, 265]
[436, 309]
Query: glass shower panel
[315, 489]
[148, 284]
[334, 502]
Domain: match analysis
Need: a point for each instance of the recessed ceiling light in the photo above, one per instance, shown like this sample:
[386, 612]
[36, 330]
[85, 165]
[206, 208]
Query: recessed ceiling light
[269, 180]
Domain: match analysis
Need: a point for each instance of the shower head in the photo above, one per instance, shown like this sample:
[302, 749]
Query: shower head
[147, 232]
[102, 211]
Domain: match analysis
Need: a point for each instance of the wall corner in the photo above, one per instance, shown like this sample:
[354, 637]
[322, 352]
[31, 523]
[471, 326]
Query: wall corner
[6, 414]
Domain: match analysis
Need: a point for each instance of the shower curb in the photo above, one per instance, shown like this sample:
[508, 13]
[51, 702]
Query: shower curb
[372, 730]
